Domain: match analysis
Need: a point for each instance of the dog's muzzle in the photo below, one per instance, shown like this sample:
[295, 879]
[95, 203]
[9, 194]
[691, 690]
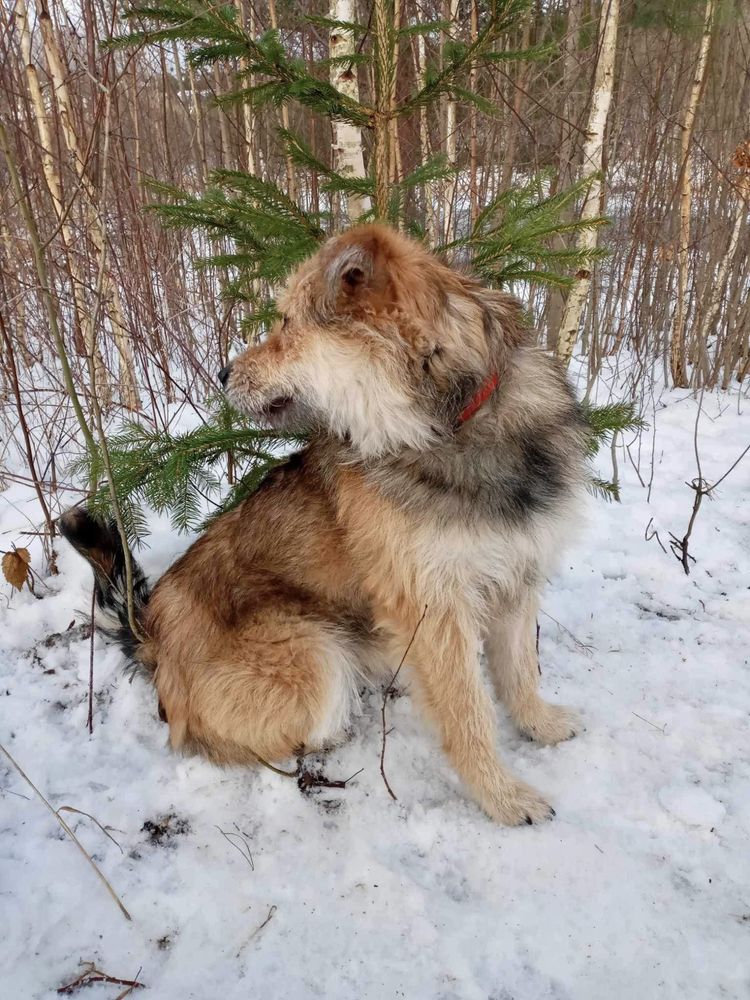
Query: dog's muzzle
[224, 374]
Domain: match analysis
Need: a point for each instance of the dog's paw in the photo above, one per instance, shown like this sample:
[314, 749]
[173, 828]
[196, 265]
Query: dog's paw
[550, 724]
[519, 804]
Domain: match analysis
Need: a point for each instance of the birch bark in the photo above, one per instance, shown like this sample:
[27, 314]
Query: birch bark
[593, 162]
[247, 111]
[348, 155]
[425, 145]
[95, 222]
[54, 186]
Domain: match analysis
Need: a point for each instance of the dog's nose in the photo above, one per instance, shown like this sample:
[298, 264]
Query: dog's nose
[224, 374]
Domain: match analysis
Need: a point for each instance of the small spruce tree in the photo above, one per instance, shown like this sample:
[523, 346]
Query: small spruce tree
[269, 233]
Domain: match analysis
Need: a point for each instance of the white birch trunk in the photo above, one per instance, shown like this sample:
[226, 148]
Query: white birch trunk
[717, 288]
[200, 139]
[54, 186]
[593, 162]
[95, 222]
[348, 157]
[247, 111]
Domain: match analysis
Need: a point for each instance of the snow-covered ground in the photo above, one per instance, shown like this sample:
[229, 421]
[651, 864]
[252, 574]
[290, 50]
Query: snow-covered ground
[639, 888]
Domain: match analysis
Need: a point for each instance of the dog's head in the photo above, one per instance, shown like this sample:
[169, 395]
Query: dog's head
[379, 343]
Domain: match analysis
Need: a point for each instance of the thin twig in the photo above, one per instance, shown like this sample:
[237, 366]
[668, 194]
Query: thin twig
[313, 779]
[70, 833]
[585, 647]
[388, 691]
[133, 622]
[258, 929]
[90, 720]
[92, 974]
[661, 729]
[129, 989]
[701, 488]
[9, 791]
[653, 534]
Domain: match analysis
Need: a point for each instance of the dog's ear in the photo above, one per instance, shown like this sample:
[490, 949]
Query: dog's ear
[359, 272]
[350, 272]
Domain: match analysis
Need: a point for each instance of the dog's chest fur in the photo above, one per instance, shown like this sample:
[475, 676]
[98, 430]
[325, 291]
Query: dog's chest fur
[484, 511]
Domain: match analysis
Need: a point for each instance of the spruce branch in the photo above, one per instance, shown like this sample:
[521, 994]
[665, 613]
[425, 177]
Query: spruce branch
[458, 56]
[177, 473]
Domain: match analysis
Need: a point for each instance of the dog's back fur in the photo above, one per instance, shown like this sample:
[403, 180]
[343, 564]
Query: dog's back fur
[259, 634]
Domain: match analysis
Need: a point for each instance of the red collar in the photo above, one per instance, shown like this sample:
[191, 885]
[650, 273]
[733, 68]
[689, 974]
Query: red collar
[479, 398]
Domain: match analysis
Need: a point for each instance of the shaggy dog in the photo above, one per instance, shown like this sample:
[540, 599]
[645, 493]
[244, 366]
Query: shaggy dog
[443, 473]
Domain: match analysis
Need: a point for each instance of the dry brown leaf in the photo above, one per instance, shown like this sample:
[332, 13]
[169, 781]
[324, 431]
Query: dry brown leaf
[16, 567]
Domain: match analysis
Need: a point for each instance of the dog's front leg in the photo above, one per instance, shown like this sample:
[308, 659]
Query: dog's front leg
[445, 658]
[510, 647]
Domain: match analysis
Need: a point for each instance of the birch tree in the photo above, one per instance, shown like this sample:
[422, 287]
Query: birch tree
[348, 156]
[247, 111]
[94, 219]
[53, 183]
[593, 163]
[741, 162]
[425, 144]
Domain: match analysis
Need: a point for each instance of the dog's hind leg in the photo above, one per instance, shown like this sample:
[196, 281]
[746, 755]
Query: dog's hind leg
[277, 687]
[510, 647]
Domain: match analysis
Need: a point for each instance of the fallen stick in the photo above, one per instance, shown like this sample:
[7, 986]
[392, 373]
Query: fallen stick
[93, 975]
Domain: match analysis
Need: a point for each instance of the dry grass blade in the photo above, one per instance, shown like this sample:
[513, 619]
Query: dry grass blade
[272, 909]
[80, 812]
[70, 833]
[239, 842]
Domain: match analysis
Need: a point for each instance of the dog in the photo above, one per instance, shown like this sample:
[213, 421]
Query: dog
[444, 472]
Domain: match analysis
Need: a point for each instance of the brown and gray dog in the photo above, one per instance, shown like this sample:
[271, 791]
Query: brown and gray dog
[444, 472]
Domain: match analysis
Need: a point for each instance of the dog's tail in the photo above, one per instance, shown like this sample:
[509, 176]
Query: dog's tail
[100, 545]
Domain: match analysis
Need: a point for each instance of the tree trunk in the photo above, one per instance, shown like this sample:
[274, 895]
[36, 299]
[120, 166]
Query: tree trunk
[348, 157]
[565, 173]
[677, 353]
[451, 139]
[291, 180]
[95, 223]
[383, 15]
[54, 186]
[248, 24]
[473, 152]
[593, 163]
[516, 113]
[425, 145]
[722, 274]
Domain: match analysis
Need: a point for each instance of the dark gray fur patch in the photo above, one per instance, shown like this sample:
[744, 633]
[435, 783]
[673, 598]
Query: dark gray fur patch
[492, 469]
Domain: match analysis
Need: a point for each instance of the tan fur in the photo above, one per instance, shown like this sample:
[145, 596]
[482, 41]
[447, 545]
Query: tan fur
[259, 633]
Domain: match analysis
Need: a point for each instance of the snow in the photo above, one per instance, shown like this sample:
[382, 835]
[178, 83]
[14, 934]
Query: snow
[640, 887]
